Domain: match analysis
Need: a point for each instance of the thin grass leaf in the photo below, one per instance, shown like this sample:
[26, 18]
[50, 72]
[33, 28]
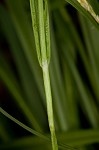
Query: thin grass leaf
[58, 92]
[88, 103]
[16, 15]
[22, 125]
[11, 83]
[91, 52]
[36, 28]
[80, 137]
[95, 5]
[24, 32]
[83, 11]
[86, 5]
[64, 65]
[33, 99]
[31, 130]
[80, 47]
[83, 137]
[64, 37]
[40, 20]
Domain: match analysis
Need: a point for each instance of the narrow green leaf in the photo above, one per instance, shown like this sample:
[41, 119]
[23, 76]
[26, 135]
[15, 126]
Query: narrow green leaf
[12, 84]
[33, 99]
[89, 104]
[83, 11]
[89, 41]
[40, 20]
[35, 23]
[24, 31]
[86, 5]
[58, 92]
[31, 130]
[64, 38]
[81, 49]
[74, 138]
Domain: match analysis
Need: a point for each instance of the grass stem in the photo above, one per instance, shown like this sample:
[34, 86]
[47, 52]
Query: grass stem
[40, 23]
[49, 104]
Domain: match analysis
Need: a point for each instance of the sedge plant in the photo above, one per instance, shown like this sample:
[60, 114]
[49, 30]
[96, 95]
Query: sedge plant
[40, 22]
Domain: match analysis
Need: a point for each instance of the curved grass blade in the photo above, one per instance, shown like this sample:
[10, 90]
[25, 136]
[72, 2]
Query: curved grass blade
[90, 38]
[29, 86]
[63, 146]
[74, 138]
[24, 32]
[89, 103]
[81, 48]
[86, 5]
[95, 5]
[64, 105]
[11, 83]
[22, 125]
[75, 4]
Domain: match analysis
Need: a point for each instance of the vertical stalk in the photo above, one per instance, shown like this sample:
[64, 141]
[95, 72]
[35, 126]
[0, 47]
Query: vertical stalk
[40, 23]
[47, 86]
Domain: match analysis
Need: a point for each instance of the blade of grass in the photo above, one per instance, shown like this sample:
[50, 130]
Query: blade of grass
[22, 125]
[74, 138]
[81, 49]
[91, 51]
[83, 11]
[24, 31]
[31, 130]
[64, 38]
[25, 35]
[88, 103]
[11, 83]
[80, 137]
[33, 98]
[86, 5]
[59, 95]
[95, 5]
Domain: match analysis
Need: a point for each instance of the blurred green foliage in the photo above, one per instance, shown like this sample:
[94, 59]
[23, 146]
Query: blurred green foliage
[74, 77]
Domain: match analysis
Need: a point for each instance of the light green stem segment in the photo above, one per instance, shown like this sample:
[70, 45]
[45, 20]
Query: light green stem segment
[40, 23]
[49, 104]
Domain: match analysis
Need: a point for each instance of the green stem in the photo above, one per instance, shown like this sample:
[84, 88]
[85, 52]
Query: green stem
[40, 22]
[47, 87]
